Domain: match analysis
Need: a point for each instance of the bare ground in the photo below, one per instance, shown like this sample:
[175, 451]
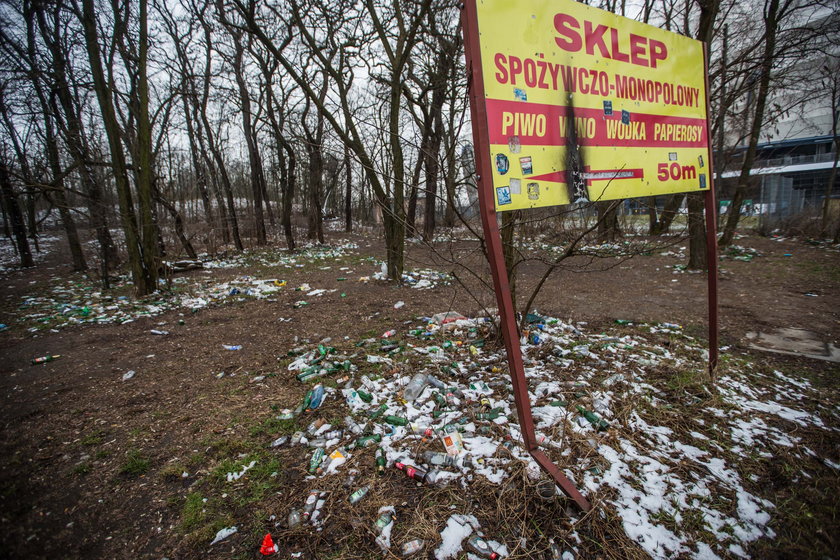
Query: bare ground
[97, 467]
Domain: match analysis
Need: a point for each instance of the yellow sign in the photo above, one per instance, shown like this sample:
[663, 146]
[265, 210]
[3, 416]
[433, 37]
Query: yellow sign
[585, 105]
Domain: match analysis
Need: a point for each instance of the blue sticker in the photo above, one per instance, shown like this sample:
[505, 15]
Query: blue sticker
[503, 194]
[502, 164]
[625, 117]
[608, 108]
[519, 94]
[702, 180]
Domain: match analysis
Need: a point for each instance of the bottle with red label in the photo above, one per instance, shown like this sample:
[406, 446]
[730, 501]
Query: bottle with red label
[418, 474]
[480, 547]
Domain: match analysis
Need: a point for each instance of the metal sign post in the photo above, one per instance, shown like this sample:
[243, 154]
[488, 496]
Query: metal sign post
[711, 243]
[640, 113]
[493, 242]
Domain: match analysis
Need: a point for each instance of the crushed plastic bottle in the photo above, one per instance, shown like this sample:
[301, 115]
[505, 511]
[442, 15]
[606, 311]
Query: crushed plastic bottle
[294, 518]
[415, 387]
[440, 459]
[412, 547]
[317, 397]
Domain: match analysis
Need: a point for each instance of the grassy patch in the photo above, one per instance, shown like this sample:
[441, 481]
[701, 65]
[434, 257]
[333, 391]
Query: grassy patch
[95, 438]
[135, 464]
[273, 426]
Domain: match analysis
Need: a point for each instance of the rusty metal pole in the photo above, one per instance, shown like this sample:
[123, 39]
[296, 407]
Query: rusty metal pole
[711, 238]
[495, 256]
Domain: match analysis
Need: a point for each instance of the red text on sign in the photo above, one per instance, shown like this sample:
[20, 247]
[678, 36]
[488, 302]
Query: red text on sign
[607, 41]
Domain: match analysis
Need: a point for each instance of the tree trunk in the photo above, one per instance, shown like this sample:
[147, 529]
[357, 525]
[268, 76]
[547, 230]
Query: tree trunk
[608, 229]
[316, 171]
[145, 163]
[13, 208]
[179, 224]
[669, 212]
[70, 123]
[652, 220]
[734, 212]
[697, 248]
[289, 194]
[257, 174]
[697, 258]
[508, 230]
[104, 97]
[348, 192]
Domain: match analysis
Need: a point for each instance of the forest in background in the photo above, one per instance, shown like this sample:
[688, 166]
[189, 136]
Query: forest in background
[169, 129]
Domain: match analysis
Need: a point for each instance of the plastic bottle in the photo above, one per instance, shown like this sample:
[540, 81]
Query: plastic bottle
[366, 397]
[356, 496]
[332, 434]
[481, 548]
[383, 521]
[439, 459]
[315, 425]
[311, 502]
[294, 518]
[435, 382]
[352, 425]
[492, 415]
[415, 387]
[411, 547]
[317, 459]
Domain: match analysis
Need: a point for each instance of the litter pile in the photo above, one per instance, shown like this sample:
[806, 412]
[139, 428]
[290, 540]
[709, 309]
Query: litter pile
[80, 301]
[432, 409]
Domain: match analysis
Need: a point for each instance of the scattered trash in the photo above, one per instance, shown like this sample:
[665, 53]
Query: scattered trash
[357, 496]
[128, 375]
[418, 474]
[159, 333]
[223, 534]
[399, 304]
[45, 359]
[412, 547]
[481, 548]
[233, 476]
[229, 347]
[268, 547]
[383, 526]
